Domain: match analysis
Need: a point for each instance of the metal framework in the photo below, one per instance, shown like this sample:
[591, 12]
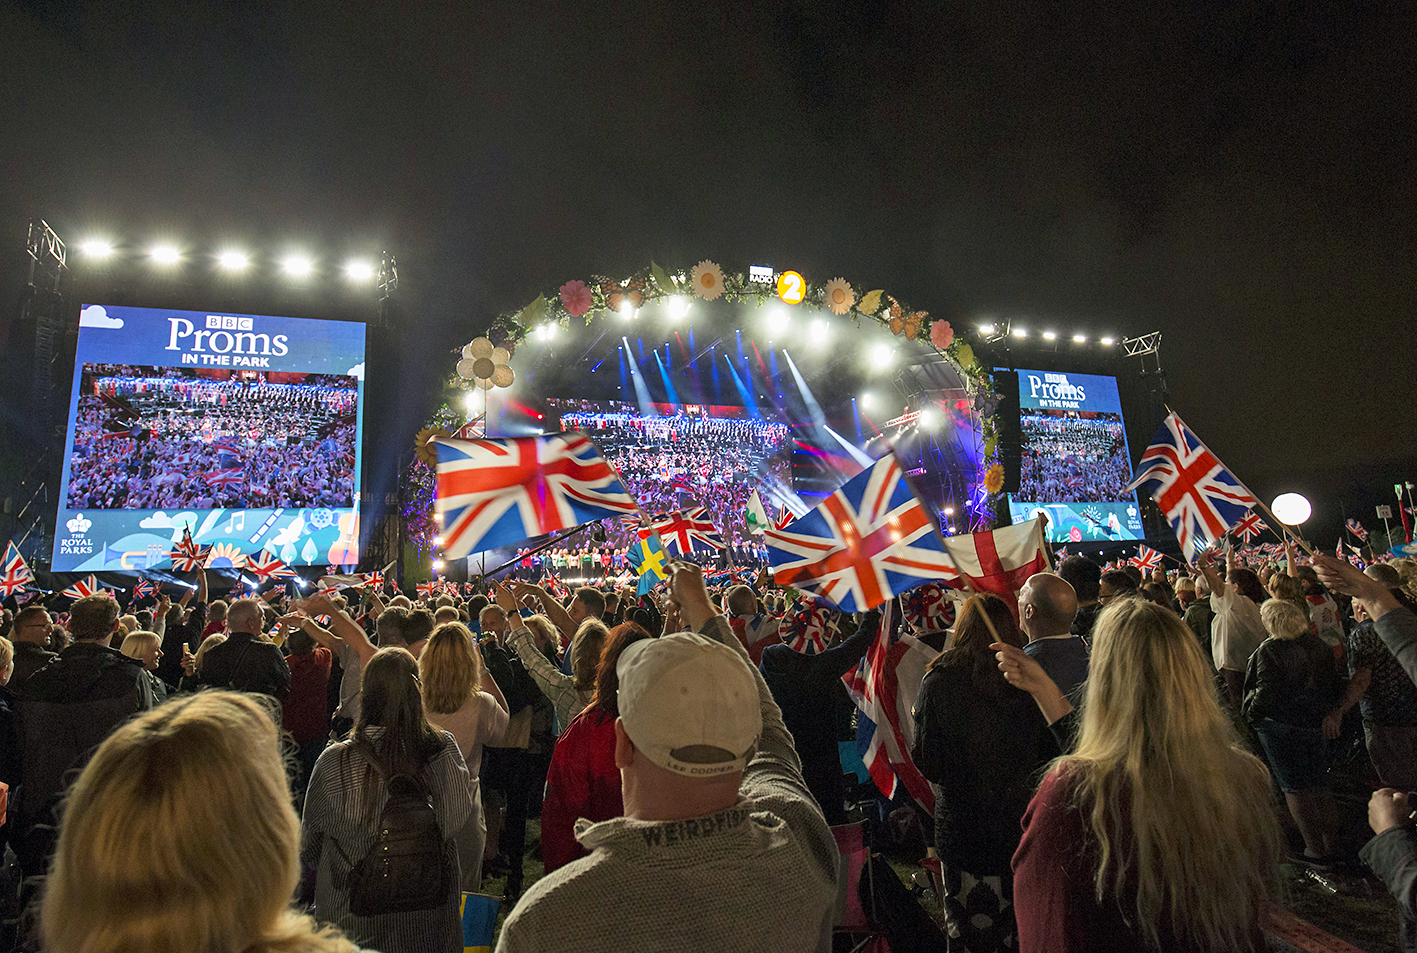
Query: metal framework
[1144, 345]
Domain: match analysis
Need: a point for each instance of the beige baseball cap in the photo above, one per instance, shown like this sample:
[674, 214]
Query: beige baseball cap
[690, 704]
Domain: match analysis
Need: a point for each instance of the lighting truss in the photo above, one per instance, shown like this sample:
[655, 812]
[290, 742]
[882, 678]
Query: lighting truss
[1142, 346]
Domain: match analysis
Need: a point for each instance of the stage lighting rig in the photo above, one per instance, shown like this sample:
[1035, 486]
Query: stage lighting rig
[165, 254]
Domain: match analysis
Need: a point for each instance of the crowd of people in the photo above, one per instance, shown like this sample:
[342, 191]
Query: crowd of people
[679, 461]
[165, 438]
[1103, 749]
[1071, 457]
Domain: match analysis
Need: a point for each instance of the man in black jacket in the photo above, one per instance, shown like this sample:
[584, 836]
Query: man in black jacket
[31, 631]
[67, 708]
[246, 662]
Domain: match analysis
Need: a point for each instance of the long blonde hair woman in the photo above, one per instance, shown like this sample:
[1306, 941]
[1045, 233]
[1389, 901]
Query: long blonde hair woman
[1158, 831]
[461, 698]
[154, 856]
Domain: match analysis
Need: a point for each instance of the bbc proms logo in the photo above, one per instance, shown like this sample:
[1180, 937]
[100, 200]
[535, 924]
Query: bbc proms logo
[1055, 387]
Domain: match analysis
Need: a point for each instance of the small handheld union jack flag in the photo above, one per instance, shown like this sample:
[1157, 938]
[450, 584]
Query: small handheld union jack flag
[230, 476]
[1356, 528]
[870, 540]
[494, 493]
[1146, 559]
[265, 567]
[187, 555]
[1250, 527]
[687, 531]
[16, 573]
[143, 588]
[1200, 497]
[88, 586]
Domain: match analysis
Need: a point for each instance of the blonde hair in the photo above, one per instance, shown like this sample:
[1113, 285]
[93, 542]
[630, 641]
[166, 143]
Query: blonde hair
[216, 638]
[7, 653]
[585, 654]
[151, 854]
[450, 668]
[541, 625]
[1171, 796]
[137, 644]
[127, 624]
[1283, 619]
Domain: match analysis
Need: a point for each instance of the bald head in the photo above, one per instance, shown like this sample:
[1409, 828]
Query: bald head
[1046, 606]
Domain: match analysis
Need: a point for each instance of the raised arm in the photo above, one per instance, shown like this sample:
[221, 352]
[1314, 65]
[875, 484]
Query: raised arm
[553, 609]
[342, 626]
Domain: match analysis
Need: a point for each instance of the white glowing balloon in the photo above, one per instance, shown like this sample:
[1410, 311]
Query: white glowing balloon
[1291, 508]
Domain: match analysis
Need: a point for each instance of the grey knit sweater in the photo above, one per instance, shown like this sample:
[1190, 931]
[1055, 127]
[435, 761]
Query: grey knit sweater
[759, 876]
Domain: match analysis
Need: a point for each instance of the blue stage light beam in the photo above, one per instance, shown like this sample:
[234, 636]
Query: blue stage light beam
[851, 448]
[668, 384]
[717, 384]
[641, 391]
[743, 390]
[819, 418]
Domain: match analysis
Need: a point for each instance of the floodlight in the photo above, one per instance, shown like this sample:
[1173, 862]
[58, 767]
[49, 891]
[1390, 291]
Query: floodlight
[929, 418]
[882, 355]
[165, 254]
[1291, 508]
[986, 329]
[678, 307]
[97, 248]
[1079, 338]
[1019, 332]
[437, 564]
[949, 511]
[1050, 335]
[546, 332]
[777, 319]
[233, 260]
[297, 266]
[472, 402]
[627, 308]
[1106, 341]
[358, 270]
[868, 401]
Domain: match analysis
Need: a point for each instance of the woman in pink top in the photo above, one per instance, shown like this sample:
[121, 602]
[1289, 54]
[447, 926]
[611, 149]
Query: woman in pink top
[451, 670]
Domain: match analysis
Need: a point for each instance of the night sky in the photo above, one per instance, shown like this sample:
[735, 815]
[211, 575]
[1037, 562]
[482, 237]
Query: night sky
[1239, 176]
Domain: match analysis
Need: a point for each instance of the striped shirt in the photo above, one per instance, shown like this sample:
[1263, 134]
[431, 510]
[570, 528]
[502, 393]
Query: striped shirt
[341, 820]
[554, 684]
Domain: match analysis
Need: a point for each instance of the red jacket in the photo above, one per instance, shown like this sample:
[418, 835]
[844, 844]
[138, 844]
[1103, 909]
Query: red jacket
[581, 782]
[306, 714]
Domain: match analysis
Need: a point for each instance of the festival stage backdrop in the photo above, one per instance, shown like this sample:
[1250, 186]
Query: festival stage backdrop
[243, 428]
[1074, 462]
[689, 455]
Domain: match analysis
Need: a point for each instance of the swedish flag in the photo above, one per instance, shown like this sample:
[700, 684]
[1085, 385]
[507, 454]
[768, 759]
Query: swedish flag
[648, 558]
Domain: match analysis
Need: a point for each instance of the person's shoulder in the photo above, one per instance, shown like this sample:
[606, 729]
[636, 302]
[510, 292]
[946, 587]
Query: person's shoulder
[560, 899]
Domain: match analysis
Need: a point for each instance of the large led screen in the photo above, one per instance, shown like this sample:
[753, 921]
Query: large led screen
[1074, 462]
[244, 429]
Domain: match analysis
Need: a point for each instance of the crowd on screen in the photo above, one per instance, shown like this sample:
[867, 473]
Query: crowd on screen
[200, 444]
[1073, 459]
[677, 462]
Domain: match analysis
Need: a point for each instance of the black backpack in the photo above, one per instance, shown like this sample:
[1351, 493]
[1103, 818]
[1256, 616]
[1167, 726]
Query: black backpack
[408, 867]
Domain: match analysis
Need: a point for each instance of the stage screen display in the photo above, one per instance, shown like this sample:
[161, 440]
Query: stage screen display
[243, 428]
[689, 455]
[1074, 462]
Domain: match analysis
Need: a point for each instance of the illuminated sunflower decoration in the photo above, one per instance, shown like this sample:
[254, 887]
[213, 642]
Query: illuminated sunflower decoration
[994, 478]
[225, 555]
[838, 296]
[707, 279]
[423, 446]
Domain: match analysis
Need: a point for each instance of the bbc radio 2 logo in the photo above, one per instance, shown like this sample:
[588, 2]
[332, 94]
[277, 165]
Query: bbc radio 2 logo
[225, 322]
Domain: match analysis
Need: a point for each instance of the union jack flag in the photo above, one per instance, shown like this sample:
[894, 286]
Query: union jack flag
[265, 567]
[867, 542]
[1250, 527]
[1356, 528]
[16, 574]
[84, 588]
[428, 588]
[1200, 497]
[227, 477]
[685, 531]
[188, 555]
[787, 517]
[1146, 559]
[885, 686]
[637, 525]
[494, 493]
[228, 444]
[1061, 554]
[143, 588]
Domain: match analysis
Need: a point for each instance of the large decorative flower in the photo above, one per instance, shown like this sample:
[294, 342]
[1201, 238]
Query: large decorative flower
[707, 279]
[941, 335]
[576, 298]
[225, 556]
[994, 478]
[838, 296]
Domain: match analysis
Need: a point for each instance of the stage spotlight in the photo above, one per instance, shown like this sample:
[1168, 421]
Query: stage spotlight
[820, 330]
[1107, 341]
[883, 355]
[358, 270]
[1050, 335]
[165, 255]
[986, 329]
[437, 564]
[297, 266]
[929, 418]
[1019, 332]
[546, 332]
[777, 319]
[472, 402]
[627, 308]
[949, 511]
[868, 401]
[233, 260]
[1079, 338]
[678, 307]
[97, 248]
